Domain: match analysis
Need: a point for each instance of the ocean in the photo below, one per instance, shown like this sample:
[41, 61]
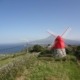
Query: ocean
[11, 48]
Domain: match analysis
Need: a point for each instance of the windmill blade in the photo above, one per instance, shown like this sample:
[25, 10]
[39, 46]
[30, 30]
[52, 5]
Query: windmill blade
[67, 30]
[50, 32]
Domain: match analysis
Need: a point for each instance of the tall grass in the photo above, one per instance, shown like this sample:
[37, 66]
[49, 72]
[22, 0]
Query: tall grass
[49, 69]
[13, 68]
[44, 68]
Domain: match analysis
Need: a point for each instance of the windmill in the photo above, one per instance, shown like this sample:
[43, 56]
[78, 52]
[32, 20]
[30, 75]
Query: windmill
[26, 45]
[59, 44]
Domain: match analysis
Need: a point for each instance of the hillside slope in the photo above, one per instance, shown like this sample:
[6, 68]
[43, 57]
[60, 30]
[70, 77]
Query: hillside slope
[30, 67]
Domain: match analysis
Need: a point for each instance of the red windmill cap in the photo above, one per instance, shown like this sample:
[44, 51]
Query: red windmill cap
[58, 43]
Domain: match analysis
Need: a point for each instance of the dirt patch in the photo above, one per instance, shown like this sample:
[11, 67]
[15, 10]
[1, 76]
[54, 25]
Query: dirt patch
[20, 78]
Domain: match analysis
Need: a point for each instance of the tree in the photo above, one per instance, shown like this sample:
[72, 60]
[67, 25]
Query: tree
[77, 52]
[37, 48]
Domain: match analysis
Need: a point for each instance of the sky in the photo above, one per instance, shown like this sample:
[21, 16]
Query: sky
[28, 20]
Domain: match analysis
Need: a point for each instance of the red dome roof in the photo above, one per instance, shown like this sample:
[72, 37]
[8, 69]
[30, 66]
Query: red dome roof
[58, 43]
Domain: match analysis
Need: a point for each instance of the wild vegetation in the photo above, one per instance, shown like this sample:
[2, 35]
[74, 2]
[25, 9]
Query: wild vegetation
[26, 66]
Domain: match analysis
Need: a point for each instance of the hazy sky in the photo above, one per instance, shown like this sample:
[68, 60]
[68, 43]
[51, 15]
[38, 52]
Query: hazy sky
[22, 20]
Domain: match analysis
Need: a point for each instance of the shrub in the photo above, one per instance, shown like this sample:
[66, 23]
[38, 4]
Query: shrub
[46, 53]
[78, 47]
[37, 48]
[69, 49]
[77, 52]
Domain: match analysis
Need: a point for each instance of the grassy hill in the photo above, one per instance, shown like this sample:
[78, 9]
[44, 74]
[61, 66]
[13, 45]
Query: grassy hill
[25, 66]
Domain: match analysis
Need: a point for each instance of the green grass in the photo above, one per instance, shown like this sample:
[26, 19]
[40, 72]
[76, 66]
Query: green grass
[5, 59]
[53, 70]
[44, 68]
